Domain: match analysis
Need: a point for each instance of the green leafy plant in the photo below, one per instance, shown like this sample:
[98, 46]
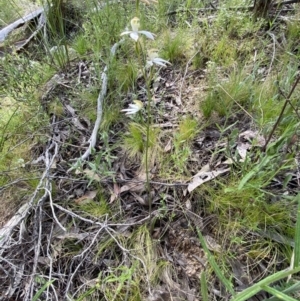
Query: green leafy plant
[135, 140]
[176, 46]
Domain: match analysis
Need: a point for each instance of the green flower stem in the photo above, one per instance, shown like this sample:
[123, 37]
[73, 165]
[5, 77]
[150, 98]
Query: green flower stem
[149, 121]
[147, 76]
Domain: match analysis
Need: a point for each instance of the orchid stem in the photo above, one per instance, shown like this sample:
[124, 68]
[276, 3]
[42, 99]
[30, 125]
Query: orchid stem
[137, 7]
[142, 59]
[148, 138]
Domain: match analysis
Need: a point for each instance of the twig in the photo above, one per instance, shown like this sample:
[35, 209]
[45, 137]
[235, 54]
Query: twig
[281, 113]
[185, 73]
[235, 101]
[106, 227]
[53, 212]
[22, 213]
[73, 273]
[93, 240]
[282, 3]
[209, 9]
[38, 228]
[101, 96]
[49, 159]
[268, 73]
[235, 8]
[71, 213]
[8, 29]
[17, 181]
[6, 233]
[142, 182]
[273, 54]
[50, 260]
[290, 103]
[133, 256]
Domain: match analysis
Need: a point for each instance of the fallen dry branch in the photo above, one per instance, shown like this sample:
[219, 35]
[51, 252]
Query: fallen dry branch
[101, 96]
[24, 211]
[105, 229]
[4, 32]
[41, 23]
[39, 14]
[15, 230]
[282, 3]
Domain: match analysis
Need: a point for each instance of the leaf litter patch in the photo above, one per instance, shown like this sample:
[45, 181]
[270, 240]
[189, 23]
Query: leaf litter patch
[83, 249]
[175, 211]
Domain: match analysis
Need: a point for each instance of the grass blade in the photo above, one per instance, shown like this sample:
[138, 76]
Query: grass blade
[223, 279]
[278, 294]
[41, 290]
[204, 290]
[254, 289]
[297, 236]
[254, 171]
[292, 289]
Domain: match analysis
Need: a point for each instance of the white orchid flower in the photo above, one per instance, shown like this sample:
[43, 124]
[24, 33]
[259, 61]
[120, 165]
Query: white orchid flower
[135, 32]
[153, 59]
[134, 107]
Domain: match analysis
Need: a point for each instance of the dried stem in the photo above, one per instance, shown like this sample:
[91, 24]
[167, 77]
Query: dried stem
[101, 96]
[281, 113]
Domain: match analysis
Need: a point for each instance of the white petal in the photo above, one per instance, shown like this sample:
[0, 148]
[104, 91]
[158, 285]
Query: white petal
[149, 64]
[125, 32]
[133, 106]
[126, 110]
[134, 35]
[160, 62]
[129, 111]
[148, 34]
[133, 109]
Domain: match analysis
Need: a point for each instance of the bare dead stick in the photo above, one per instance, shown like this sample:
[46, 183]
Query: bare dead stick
[281, 113]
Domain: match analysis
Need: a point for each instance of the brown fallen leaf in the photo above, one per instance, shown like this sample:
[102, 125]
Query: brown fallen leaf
[141, 200]
[242, 149]
[75, 120]
[247, 140]
[133, 186]
[88, 197]
[136, 184]
[115, 193]
[203, 176]
[188, 204]
[91, 175]
[212, 245]
[254, 137]
[168, 147]
[228, 161]
[178, 100]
